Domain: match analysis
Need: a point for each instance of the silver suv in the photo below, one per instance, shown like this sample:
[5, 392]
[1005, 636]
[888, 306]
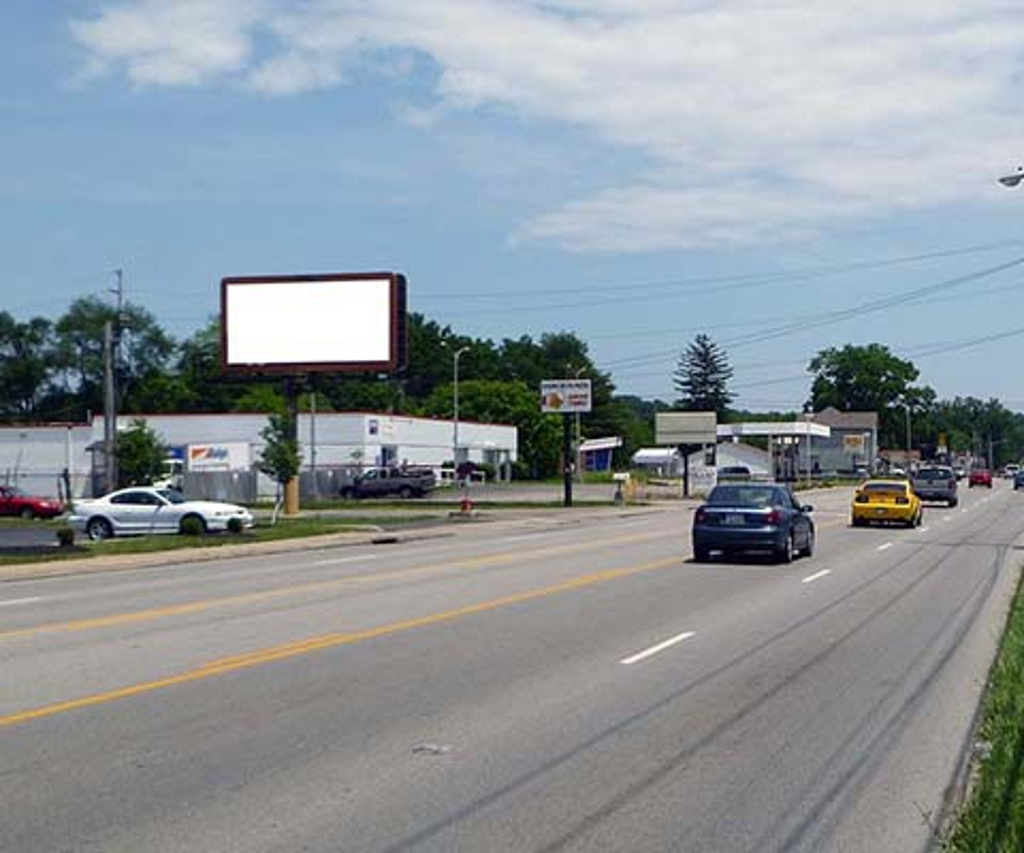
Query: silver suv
[936, 483]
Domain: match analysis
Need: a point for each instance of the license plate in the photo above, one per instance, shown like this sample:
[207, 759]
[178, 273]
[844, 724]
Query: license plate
[734, 520]
[880, 511]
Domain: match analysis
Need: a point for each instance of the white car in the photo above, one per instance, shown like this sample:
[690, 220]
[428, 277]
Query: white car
[140, 510]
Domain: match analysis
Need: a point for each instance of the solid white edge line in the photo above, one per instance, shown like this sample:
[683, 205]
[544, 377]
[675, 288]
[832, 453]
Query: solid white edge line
[885, 547]
[12, 601]
[816, 576]
[660, 647]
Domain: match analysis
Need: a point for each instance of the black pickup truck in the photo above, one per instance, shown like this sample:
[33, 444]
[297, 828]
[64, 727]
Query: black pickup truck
[390, 482]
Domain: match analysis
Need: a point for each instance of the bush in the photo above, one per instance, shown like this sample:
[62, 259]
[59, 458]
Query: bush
[65, 537]
[234, 525]
[192, 526]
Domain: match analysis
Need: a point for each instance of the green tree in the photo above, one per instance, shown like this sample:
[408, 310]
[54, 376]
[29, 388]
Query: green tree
[702, 377]
[490, 401]
[140, 455]
[145, 352]
[280, 459]
[25, 359]
[869, 379]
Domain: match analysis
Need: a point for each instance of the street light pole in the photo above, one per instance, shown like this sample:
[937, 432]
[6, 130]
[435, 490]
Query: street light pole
[455, 408]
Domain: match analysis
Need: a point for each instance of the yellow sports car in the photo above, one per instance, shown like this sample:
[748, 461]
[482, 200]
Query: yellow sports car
[891, 500]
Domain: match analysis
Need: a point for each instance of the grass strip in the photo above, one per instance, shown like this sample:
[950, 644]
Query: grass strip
[993, 819]
[262, 532]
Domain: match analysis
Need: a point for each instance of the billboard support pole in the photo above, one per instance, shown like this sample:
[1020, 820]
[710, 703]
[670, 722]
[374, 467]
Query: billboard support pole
[291, 488]
[567, 460]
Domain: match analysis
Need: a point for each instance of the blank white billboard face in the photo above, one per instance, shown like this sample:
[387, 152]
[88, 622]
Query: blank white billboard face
[314, 323]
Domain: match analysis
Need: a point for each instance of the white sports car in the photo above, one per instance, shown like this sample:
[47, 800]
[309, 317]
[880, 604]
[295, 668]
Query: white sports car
[140, 510]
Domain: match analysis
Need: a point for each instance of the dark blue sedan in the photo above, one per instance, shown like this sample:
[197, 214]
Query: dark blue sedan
[753, 517]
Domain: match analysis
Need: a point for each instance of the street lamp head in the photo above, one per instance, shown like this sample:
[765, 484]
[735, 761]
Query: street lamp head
[1014, 179]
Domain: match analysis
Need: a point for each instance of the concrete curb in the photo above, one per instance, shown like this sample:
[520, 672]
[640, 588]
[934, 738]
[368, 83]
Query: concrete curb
[376, 535]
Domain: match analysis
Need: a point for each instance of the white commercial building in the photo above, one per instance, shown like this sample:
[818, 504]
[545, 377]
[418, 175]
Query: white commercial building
[35, 456]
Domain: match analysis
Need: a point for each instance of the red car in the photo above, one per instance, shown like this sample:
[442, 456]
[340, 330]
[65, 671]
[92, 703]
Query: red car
[980, 477]
[13, 501]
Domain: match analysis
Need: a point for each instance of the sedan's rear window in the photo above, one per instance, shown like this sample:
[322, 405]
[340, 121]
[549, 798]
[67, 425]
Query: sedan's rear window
[934, 474]
[752, 496]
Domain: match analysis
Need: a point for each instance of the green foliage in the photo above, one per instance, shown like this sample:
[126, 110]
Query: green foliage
[506, 403]
[868, 379]
[702, 377]
[65, 537]
[280, 458]
[145, 352]
[140, 455]
[994, 817]
[235, 526]
[25, 353]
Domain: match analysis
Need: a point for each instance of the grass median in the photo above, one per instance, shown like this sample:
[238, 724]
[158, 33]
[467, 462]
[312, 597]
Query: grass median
[992, 820]
[263, 531]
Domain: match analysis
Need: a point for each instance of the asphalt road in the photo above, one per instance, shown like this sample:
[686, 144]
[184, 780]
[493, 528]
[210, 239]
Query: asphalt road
[570, 682]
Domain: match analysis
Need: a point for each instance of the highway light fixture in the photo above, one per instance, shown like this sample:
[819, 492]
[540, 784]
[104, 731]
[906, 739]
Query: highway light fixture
[1013, 180]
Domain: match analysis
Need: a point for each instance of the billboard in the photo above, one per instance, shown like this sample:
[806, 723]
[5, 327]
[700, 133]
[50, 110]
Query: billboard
[686, 428]
[313, 323]
[565, 396]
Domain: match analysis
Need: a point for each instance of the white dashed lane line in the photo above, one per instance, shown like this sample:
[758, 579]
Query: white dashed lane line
[11, 602]
[923, 530]
[660, 647]
[816, 576]
[336, 561]
[885, 547]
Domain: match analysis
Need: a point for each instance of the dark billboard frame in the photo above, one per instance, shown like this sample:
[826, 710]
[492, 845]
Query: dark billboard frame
[398, 332]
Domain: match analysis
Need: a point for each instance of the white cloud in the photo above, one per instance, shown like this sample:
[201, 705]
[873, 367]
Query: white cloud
[758, 120]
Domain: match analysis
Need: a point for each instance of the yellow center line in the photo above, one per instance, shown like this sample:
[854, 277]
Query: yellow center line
[116, 619]
[327, 641]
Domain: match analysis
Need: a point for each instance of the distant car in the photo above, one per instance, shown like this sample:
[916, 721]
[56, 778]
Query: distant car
[1018, 481]
[1010, 470]
[733, 472]
[890, 500]
[752, 517]
[13, 501]
[980, 477]
[391, 482]
[141, 510]
[936, 483]
[960, 471]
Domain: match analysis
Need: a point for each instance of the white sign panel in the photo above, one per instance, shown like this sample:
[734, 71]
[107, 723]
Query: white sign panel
[672, 428]
[565, 396]
[301, 324]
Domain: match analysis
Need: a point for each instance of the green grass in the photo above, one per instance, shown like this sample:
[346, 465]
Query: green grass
[993, 818]
[262, 532]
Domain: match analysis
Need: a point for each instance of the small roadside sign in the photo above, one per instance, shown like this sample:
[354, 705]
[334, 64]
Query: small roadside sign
[565, 396]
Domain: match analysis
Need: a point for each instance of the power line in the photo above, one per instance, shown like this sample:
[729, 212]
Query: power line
[831, 317]
[737, 281]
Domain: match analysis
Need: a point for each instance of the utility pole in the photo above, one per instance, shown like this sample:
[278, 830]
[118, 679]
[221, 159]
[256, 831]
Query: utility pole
[109, 409]
[111, 363]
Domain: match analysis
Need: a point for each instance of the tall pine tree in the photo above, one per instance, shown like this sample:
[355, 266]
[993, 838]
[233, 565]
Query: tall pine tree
[702, 377]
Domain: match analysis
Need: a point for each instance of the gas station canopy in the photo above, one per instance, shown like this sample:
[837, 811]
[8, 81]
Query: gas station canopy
[774, 429]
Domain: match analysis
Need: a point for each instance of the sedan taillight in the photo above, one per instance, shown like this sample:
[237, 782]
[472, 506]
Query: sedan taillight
[701, 516]
[774, 517]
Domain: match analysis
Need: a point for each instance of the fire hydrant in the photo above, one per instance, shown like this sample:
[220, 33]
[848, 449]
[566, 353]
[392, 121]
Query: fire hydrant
[465, 505]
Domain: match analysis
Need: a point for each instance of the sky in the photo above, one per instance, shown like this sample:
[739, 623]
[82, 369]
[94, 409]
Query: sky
[782, 176]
